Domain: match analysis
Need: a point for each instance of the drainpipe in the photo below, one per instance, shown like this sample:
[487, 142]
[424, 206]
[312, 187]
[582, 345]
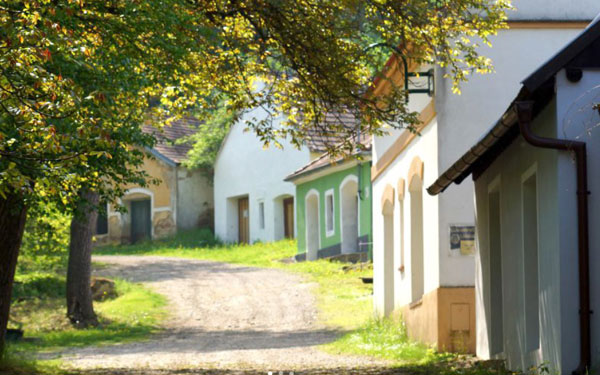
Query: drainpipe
[524, 111]
[360, 192]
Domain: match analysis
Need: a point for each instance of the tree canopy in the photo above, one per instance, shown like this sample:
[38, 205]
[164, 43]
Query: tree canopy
[77, 77]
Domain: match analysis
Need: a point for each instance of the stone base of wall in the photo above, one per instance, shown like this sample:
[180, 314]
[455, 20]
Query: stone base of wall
[444, 318]
[164, 225]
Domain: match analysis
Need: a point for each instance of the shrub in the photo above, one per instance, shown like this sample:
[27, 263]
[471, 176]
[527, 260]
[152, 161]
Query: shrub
[45, 241]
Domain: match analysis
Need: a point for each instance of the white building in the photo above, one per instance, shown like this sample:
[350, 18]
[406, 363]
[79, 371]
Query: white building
[424, 266]
[252, 200]
[532, 284]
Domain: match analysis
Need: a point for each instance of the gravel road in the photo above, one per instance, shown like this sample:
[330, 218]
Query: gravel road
[222, 317]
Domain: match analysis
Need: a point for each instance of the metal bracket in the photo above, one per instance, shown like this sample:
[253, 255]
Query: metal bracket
[407, 75]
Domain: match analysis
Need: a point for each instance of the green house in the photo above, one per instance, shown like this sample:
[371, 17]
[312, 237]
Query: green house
[333, 206]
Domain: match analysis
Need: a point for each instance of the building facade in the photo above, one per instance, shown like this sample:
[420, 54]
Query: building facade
[182, 200]
[536, 247]
[252, 200]
[334, 207]
[423, 247]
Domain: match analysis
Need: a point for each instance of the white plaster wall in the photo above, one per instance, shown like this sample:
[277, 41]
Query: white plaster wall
[243, 168]
[461, 120]
[425, 149]
[554, 10]
[577, 119]
[464, 118]
[509, 168]
[194, 198]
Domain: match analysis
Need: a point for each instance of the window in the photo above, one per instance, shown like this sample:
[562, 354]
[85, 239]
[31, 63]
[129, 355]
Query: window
[495, 259]
[261, 215]
[329, 212]
[530, 260]
[102, 223]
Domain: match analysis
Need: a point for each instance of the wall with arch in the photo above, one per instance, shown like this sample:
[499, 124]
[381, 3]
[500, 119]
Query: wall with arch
[350, 214]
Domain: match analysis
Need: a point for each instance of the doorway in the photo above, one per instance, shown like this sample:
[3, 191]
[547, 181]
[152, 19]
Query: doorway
[349, 215]
[288, 218]
[243, 220]
[141, 223]
[312, 225]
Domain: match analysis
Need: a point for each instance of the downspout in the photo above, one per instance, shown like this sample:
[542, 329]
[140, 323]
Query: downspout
[524, 111]
[359, 173]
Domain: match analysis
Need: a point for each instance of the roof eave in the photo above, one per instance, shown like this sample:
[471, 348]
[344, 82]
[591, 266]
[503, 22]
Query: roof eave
[296, 176]
[162, 157]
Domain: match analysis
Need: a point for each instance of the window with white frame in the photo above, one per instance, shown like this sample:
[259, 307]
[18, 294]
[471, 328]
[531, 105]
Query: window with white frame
[329, 213]
[261, 214]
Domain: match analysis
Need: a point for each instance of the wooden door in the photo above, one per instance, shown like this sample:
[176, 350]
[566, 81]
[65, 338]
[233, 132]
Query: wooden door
[288, 217]
[243, 220]
[141, 220]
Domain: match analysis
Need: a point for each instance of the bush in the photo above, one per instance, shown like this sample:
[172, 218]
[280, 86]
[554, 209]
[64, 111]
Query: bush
[45, 241]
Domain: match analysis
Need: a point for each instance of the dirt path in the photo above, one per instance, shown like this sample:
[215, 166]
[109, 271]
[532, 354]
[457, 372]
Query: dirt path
[223, 316]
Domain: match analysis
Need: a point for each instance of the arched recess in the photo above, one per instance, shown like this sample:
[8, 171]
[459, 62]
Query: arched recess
[349, 213]
[417, 265]
[400, 194]
[136, 223]
[387, 210]
[312, 224]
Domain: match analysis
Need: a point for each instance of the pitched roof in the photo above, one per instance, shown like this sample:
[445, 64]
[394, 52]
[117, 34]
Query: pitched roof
[167, 136]
[322, 137]
[325, 160]
[538, 87]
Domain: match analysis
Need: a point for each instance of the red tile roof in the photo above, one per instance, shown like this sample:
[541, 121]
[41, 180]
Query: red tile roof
[321, 137]
[167, 136]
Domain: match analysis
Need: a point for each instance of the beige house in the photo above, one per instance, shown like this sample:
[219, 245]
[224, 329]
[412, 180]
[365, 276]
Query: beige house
[182, 200]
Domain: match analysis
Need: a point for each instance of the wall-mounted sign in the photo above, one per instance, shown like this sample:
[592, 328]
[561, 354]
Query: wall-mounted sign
[462, 239]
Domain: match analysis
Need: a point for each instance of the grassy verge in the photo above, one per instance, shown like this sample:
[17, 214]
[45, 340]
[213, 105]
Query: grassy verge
[39, 307]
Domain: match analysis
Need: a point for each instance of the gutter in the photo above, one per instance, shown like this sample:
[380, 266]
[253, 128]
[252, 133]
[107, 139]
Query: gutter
[524, 111]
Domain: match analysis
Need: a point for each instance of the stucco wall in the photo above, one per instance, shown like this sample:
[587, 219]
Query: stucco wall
[245, 168]
[508, 171]
[194, 199]
[578, 119]
[425, 150]
[333, 182]
[162, 198]
[461, 119]
[181, 200]
[554, 10]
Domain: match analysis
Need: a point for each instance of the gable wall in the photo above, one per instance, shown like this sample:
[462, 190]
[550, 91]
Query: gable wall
[245, 168]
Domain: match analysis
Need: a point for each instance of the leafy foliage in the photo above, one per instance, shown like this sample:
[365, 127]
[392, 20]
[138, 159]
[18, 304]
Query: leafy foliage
[78, 77]
[208, 139]
[45, 241]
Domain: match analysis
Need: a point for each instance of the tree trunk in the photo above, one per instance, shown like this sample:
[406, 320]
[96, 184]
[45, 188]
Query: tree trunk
[80, 309]
[12, 223]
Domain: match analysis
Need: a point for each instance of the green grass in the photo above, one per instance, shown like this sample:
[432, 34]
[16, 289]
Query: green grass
[386, 339]
[19, 366]
[39, 308]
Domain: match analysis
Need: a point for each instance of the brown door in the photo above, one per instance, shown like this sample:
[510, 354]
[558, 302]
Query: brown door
[244, 221]
[288, 217]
